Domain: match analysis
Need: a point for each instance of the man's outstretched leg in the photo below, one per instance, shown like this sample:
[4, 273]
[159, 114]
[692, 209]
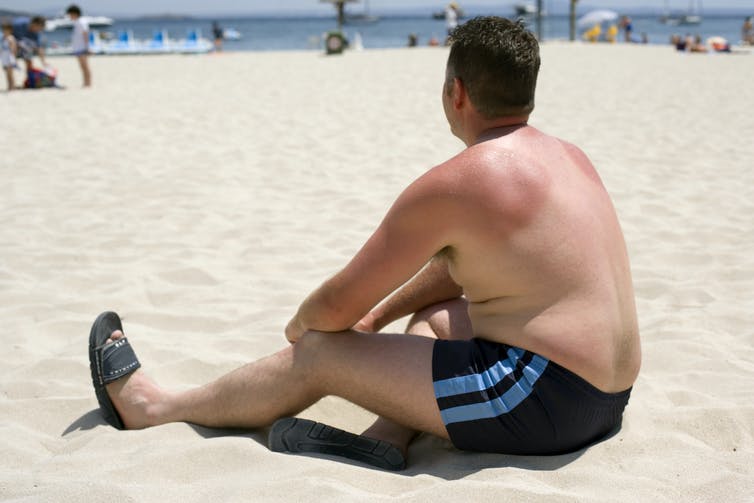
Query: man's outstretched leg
[390, 375]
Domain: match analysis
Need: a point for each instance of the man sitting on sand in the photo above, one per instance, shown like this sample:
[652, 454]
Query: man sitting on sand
[510, 260]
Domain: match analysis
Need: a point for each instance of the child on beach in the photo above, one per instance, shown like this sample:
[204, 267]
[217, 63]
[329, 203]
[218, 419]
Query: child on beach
[80, 42]
[8, 54]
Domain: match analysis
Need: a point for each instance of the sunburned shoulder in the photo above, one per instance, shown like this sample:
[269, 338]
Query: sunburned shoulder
[531, 157]
[494, 166]
[480, 159]
[526, 160]
[484, 180]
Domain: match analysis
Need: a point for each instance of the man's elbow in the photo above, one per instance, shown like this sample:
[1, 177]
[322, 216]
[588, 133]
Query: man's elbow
[337, 313]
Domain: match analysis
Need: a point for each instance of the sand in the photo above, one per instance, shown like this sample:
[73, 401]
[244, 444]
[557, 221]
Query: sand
[203, 197]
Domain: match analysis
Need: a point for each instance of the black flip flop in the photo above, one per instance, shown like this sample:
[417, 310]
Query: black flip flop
[109, 362]
[292, 434]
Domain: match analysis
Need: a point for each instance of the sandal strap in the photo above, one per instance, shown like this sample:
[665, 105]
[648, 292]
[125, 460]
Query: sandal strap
[118, 359]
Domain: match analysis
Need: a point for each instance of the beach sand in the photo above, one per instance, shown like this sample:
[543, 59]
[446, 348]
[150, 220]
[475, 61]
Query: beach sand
[203, 197]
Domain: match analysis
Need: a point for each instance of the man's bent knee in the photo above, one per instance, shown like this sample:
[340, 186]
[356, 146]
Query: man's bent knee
[311, 353]
[445, 320]
[314, 341]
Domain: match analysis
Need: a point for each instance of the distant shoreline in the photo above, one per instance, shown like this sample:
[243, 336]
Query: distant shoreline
[407, 13]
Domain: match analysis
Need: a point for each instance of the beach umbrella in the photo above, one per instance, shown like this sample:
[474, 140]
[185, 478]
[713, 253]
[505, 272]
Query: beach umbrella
[597, 17]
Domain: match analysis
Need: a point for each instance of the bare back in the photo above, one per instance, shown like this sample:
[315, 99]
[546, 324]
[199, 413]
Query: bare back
[559, 282]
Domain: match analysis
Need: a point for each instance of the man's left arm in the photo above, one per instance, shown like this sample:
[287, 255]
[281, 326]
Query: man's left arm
[418, 225]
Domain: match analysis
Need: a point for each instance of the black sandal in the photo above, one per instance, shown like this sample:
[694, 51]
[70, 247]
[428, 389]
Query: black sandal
[109, 361]
[292, 434]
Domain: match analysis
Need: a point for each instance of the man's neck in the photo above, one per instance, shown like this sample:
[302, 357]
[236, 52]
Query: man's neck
[484, 129]
[499, 131]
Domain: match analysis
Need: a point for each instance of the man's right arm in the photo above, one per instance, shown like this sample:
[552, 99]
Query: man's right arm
[431, 285]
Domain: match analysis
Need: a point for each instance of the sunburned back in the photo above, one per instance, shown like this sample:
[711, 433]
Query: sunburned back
[559, 282]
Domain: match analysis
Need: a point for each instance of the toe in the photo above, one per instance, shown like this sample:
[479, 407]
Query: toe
[117, 334]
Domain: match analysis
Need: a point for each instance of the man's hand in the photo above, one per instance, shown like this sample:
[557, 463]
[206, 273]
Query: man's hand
[294, 330]
[367, 324]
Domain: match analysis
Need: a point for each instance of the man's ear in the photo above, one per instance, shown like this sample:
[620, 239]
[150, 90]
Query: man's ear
[458, 95]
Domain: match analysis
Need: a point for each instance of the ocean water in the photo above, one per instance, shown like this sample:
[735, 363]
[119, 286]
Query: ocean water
[274, 34]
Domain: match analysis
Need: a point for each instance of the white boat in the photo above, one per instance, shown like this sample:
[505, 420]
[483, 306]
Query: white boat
[527, 9]
[361, 17]
[125, 44]
[231, 34]
[441, 14]
[691, 17]
[66, 23]
[194, 43]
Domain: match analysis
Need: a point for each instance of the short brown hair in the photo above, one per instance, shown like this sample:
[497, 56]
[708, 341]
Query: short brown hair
[498, 62]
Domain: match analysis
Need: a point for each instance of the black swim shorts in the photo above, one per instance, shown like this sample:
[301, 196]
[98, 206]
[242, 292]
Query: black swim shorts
[499, 398]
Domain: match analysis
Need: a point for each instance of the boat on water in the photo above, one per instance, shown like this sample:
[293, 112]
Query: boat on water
[231, 34]
[441, 14]
[126, 44]
[527, 9]
[66, 23]
[361, 17]
[692, 16]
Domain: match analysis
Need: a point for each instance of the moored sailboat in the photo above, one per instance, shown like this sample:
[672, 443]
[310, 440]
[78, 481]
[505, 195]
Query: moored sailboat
[692, 16]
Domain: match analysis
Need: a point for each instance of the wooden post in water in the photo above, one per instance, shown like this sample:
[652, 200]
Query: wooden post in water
[340, 7]
[341, 14]
[572, 21]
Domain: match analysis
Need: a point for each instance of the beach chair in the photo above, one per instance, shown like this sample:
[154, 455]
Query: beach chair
[95, 43]
[593, 34]
[159, 44]
[194, 43]
[124, 44]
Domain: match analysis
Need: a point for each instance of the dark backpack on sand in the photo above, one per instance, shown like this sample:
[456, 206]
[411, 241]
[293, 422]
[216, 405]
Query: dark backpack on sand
[37, 79]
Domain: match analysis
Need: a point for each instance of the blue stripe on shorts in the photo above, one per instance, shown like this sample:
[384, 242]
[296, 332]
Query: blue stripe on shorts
[487, 379]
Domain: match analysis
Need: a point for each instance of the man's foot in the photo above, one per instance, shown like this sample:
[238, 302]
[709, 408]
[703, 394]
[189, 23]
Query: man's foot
[136, 397]
[127, 397]
[392, 433]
